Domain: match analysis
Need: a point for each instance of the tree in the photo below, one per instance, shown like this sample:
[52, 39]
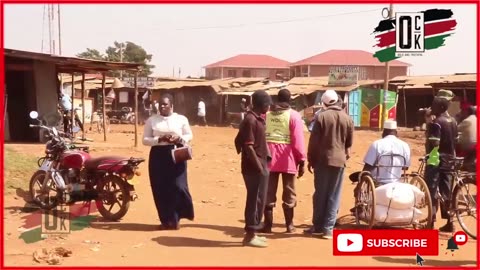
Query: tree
[91, 54]
[131, 53]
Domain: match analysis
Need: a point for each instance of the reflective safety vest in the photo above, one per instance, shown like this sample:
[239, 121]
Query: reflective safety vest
[278, 127]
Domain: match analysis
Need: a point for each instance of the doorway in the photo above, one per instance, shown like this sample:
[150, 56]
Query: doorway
[20, 100]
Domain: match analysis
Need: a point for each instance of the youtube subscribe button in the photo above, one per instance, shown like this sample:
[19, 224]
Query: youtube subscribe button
[385, 242]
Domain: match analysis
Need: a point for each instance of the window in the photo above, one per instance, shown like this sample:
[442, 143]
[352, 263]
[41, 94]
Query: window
[247, 73]
[232, 73]
[279, 74]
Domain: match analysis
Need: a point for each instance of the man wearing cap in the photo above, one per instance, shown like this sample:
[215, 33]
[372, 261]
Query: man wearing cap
[386, 158]
[285, 141]
[328, 151]
[339, 104]
[441, 136]
[389, 144]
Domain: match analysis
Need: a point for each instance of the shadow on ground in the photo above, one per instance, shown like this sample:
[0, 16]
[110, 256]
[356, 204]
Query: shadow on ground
[136, 227]
[178, 241]
[428, 262]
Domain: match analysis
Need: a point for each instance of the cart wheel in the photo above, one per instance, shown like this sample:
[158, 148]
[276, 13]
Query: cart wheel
[425, 206]
[465, 205]
[365, 201]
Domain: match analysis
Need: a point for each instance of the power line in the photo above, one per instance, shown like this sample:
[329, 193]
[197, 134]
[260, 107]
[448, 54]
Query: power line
[277, 22]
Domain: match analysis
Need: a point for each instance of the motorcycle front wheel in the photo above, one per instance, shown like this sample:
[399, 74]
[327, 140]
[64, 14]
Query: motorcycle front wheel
[113, 194]
[41, 195]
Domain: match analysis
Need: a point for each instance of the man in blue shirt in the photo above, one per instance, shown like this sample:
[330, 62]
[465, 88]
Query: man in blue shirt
[65, 102]
[66, 106]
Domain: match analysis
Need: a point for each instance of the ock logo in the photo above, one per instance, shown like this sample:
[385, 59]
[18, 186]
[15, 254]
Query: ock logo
[413, 33]
[61, 220]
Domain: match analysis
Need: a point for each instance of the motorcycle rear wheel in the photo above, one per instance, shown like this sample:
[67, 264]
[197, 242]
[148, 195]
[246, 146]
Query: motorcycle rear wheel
[108, 197]
[37, 180]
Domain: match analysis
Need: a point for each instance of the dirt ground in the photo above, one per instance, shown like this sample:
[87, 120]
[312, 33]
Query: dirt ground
[214, 238]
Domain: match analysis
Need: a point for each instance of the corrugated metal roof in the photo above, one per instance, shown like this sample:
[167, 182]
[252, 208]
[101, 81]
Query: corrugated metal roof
[346, 57]
[298, 85]
[251, 61]
[425, 82]
[309, 80]
[67, 64]
[217, 85]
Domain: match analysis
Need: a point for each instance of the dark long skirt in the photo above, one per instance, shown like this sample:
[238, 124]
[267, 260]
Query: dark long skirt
[169, 186]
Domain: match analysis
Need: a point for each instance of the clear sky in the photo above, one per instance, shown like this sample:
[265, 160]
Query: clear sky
[192, 36]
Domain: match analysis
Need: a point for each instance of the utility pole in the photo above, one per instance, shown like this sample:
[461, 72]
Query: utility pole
[50, 29]
[43, 25]
[387, 74]
[121, 60]
[59, 32]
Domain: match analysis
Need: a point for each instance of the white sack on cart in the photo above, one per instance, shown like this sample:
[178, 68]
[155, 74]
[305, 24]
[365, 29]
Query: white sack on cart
[398, 195]
[383, 214]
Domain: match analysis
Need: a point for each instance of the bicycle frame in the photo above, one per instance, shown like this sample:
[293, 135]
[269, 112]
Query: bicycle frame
[457, 180]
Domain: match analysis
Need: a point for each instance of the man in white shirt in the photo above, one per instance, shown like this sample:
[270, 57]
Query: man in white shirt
[386, 158]
[379, 153]
[201, 113]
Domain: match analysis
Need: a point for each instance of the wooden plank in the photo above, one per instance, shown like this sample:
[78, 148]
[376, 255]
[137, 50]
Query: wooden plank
[136, 109]
[19, 67]
[103, 110]
[83, 104]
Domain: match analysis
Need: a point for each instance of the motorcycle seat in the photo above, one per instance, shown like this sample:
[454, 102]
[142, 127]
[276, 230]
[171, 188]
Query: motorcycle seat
[107, 160]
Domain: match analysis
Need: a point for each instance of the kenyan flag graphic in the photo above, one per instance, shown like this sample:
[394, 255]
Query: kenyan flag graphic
[79, 217]
[439, 25]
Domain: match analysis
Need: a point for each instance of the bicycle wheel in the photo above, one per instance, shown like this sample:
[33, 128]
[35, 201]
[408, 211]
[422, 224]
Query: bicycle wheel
[365, 201]
[465, 202]
[425, 206]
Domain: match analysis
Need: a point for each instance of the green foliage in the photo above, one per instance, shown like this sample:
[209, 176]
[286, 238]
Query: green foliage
[91, 54]
[131, 53]
[18, 169]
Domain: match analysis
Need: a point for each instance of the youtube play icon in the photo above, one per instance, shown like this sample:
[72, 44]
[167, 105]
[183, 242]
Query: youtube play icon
[350, 242]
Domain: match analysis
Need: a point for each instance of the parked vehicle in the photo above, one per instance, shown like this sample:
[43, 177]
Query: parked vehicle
[124, 116]
[68, 174]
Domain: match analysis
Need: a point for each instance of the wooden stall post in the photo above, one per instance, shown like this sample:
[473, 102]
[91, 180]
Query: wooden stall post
[405, 106]
[136, 109]
[103, 109]
[83, 105]
[72, 116]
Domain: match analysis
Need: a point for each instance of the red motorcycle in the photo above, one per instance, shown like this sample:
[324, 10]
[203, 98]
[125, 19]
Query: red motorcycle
[68, 174]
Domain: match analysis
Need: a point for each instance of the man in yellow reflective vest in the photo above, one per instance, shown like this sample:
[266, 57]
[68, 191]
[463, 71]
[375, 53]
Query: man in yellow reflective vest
[285, 141]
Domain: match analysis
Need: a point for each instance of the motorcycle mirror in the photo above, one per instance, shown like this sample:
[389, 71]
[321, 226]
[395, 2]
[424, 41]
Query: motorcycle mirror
[55, 132]
[33, 114]
[75, 129]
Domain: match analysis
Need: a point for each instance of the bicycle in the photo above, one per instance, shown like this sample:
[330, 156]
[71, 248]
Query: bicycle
[97, 122]
[461, 194]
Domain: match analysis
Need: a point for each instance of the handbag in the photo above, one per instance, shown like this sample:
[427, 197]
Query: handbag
[181, 154]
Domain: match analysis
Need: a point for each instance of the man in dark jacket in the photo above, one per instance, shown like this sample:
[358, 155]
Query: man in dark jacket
[251, 142]
[328, 151]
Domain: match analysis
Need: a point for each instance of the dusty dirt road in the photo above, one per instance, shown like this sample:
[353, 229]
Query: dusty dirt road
[214, 238]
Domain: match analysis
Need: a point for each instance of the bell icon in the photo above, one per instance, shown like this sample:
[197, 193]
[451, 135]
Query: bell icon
[451, 245]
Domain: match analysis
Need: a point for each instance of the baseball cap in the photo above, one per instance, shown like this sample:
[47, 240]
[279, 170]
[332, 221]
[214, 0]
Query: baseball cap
[330, 97]
[446, 94]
